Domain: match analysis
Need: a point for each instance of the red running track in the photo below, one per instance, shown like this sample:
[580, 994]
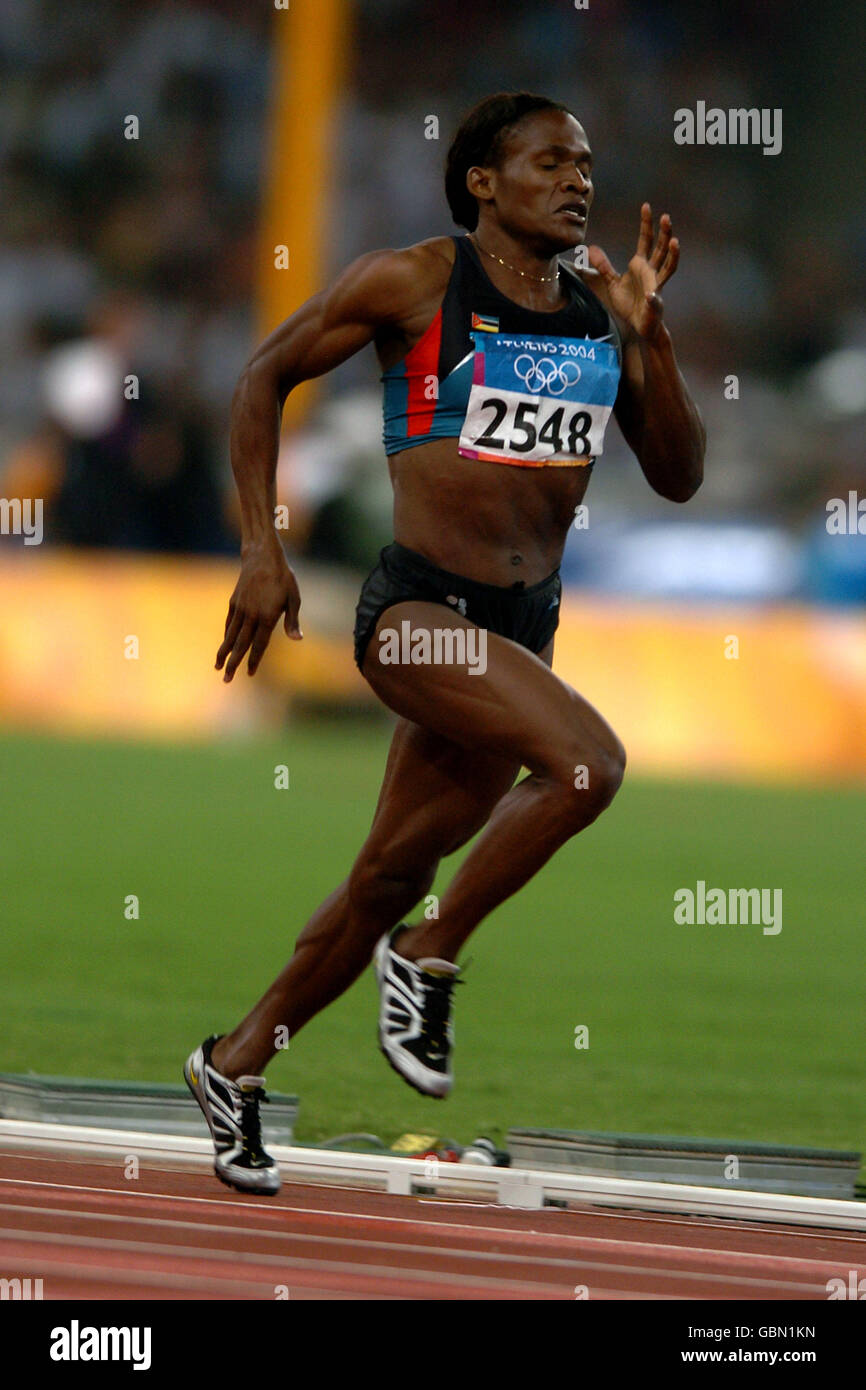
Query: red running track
[89, 1233]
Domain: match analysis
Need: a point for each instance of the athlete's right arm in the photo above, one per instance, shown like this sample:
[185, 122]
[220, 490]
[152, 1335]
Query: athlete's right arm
[375, 291]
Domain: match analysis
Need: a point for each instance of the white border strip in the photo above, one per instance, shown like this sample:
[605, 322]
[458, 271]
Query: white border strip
[510, 1187]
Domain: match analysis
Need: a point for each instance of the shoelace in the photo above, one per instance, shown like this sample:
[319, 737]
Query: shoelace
[251, 1124]
[437, 1011]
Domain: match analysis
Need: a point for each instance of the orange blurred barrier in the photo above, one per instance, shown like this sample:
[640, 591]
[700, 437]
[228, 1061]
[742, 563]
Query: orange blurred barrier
[126, 644]
[122, 644]
[723, 690]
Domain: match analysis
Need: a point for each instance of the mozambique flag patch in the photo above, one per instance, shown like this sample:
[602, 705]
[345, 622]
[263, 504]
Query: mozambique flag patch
[485, 323]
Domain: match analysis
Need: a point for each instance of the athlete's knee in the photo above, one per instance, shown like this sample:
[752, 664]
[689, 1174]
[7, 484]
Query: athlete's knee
[587, 779]
[605, 771]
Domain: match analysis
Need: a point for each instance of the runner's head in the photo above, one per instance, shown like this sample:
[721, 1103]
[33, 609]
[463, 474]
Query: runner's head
[520, 159]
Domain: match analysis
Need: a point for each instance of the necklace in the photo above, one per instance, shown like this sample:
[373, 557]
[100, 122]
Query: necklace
[542, 279]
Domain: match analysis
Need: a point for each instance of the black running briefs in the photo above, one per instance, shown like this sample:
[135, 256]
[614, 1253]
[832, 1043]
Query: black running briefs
[527, 614]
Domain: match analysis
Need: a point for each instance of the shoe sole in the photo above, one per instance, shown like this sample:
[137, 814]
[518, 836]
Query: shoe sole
[227, 1181]
[431, 1095]
[247, 1191]
[378, 960]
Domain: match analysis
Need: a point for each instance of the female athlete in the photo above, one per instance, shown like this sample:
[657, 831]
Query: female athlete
[501, 364]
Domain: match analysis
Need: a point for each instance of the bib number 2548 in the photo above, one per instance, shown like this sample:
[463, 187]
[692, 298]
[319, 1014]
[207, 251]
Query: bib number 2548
[521, 429]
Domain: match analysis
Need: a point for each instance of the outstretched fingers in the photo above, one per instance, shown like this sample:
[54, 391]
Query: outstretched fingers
[666, 252]
[670, 262]
[645, 236]
[660, 249]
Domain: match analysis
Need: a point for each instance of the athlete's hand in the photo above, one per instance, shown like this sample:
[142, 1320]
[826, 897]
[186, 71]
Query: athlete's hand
[266, 589]
[634, 295]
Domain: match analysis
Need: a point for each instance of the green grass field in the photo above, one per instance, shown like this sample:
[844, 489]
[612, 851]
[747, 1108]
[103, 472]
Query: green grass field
[713, 1031]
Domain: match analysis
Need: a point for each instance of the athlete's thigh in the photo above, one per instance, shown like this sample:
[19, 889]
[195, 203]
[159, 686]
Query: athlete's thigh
[515, 707]
[435, 793]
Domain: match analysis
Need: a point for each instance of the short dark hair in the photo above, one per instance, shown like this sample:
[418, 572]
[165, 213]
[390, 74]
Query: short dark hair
[481, 140]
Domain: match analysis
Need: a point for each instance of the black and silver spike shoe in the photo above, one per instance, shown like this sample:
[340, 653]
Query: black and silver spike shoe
[231, 1109]
[416, 1034]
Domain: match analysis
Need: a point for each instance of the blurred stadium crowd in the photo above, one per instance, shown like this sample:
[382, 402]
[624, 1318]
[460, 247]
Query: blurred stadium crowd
[124, 259]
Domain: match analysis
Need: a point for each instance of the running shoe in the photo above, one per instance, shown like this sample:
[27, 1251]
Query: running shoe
[415, 1029]
[231, 1109]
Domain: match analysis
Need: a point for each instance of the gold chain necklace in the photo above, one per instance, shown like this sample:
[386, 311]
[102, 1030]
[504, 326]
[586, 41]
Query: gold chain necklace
[542, 279]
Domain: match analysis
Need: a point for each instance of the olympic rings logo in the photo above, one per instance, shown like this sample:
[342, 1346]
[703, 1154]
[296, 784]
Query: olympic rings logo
[546, 375]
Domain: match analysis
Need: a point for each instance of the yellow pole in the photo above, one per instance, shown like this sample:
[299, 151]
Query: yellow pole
[309, 59]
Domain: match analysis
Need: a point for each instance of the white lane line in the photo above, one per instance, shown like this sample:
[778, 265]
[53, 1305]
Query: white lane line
[111, 1277]
[271, 1207]
[726, 1266]
[106, 1244]
[589, 1244]
[310, 1237]
[791, 1223]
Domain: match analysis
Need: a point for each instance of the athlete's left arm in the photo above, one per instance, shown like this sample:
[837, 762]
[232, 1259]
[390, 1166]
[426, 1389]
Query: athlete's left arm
[653, 408]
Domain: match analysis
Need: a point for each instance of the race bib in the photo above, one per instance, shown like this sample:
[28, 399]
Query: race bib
[537, 401]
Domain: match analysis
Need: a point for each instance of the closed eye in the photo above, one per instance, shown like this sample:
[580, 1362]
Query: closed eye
[585, 169]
